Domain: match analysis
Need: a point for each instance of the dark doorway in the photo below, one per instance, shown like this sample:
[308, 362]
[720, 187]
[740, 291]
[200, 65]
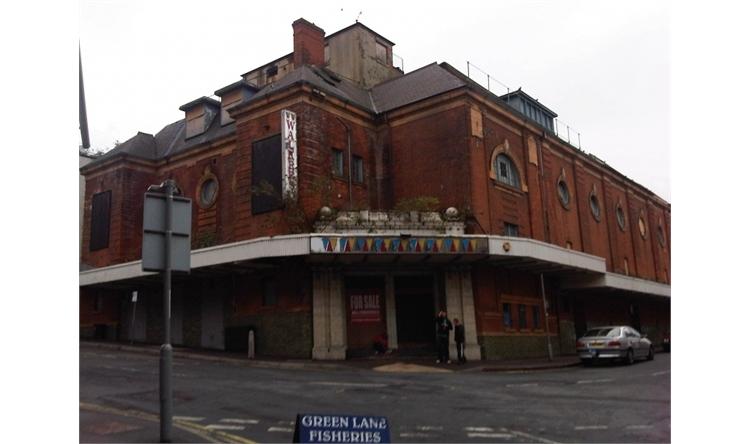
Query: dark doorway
[579, 317]
[635, 317]
[415, 313]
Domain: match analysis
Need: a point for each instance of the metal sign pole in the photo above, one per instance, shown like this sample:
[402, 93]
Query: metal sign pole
[165, 354]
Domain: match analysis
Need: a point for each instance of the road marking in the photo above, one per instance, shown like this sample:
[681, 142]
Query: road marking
[224, 427]
[188, 418]
[639, 427]
[239, 421]
[285, 422]
[415, 435]
[479, 429]
[593, 381]
[531, 437]
[489, 435]
[528, 384]
[427, 428]
[592, 427]
[349, 384]
[660, 373]
[280, 429]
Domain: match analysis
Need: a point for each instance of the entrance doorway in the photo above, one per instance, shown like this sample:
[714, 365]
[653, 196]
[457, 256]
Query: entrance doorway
[415, 314]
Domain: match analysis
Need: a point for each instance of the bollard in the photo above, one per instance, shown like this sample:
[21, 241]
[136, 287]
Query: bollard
[251, 345]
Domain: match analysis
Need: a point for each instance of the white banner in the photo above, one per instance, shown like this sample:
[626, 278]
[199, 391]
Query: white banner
[289, 154]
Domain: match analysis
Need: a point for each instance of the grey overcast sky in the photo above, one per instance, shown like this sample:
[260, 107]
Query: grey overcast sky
[602, 66]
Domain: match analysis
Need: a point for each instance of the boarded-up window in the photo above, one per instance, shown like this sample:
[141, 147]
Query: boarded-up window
[266, 175]
[100, 212]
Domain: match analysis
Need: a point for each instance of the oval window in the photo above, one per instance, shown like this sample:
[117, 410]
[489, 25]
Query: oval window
[642, 226]
[563, 193]
[620, 217]
[595, 210]
[209, 190]
[660, 235]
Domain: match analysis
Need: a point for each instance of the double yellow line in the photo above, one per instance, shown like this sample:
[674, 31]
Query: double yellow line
[213, 436]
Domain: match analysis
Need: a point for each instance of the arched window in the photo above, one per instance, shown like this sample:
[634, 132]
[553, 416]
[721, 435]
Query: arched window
[505, 171]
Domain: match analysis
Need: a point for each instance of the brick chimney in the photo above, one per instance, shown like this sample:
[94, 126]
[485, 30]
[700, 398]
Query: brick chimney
[309, 43]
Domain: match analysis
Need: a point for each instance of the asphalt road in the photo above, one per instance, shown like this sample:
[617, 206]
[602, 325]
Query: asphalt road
[611, 403]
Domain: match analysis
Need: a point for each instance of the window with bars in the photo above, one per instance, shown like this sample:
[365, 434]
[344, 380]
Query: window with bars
[358, 169]
[505, 171]
[507, 317]
[337, 162]
[101, 204]
[511, 229]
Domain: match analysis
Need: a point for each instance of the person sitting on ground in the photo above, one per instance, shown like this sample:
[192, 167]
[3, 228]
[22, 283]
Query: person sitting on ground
[380, 344]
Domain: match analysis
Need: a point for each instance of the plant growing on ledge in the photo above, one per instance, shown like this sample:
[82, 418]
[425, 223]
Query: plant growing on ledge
[418, 203]
[288, 204]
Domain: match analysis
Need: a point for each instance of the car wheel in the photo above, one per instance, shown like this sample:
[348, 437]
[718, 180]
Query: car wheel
[630, 358]
[650, 354]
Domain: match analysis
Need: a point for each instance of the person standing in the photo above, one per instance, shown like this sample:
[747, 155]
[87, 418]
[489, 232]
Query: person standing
[443, 327]
[460, 338]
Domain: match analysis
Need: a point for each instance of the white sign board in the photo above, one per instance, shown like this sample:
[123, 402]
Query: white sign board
[289, 154]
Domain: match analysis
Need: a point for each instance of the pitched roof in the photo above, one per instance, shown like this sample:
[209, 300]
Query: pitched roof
[418, 85]
[323, 80]
[141, 145]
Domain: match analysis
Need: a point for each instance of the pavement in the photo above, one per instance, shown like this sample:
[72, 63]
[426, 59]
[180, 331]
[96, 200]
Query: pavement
[385, 363]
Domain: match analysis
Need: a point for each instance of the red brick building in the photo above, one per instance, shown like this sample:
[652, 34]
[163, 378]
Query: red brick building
[405, 193]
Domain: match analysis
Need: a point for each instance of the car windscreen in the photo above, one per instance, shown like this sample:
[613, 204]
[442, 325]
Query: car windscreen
[610, 332]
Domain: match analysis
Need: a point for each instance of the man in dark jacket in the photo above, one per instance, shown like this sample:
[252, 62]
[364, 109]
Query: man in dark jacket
[443, 327]
[460, 338]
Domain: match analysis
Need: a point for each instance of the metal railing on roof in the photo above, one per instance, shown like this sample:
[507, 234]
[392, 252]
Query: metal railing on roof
[561, 129]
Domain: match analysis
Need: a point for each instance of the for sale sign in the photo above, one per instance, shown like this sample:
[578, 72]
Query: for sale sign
[365, 307]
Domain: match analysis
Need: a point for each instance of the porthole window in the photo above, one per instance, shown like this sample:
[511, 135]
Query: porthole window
[505, 171]
[595, 209]
[642, 226]
[620, 217]
[208, 191]
[660, 236]
[563, 193]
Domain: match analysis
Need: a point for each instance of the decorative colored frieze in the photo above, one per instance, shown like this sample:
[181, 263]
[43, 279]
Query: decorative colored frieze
[391, 245]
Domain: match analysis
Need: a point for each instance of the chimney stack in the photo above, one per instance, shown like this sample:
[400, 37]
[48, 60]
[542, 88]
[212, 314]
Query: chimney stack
[309, 43]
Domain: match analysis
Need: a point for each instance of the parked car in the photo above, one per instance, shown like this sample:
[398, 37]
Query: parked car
[665, 342]
[619, 342]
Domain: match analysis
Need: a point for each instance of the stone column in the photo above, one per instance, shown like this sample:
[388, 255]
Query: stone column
[337, 317]
[453, 305]
[473, 352]
[459, 299]
[390, 312]
[329, 315]
[320, 301]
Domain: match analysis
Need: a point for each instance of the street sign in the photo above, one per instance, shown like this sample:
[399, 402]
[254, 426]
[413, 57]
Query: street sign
[315, 428]
[154, 232]
[135, 296]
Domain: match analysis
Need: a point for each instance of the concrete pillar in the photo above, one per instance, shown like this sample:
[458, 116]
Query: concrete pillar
[320, 302]
[329, 315]
[337, 319]
[459, 299]
[390, 312]
[473, 352]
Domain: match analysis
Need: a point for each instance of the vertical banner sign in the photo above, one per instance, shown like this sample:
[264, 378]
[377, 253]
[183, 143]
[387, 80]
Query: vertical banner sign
[289, 154]
[365, 307]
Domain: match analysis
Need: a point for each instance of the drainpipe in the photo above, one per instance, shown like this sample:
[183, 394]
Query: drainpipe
[349, 156]
[546, 317]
